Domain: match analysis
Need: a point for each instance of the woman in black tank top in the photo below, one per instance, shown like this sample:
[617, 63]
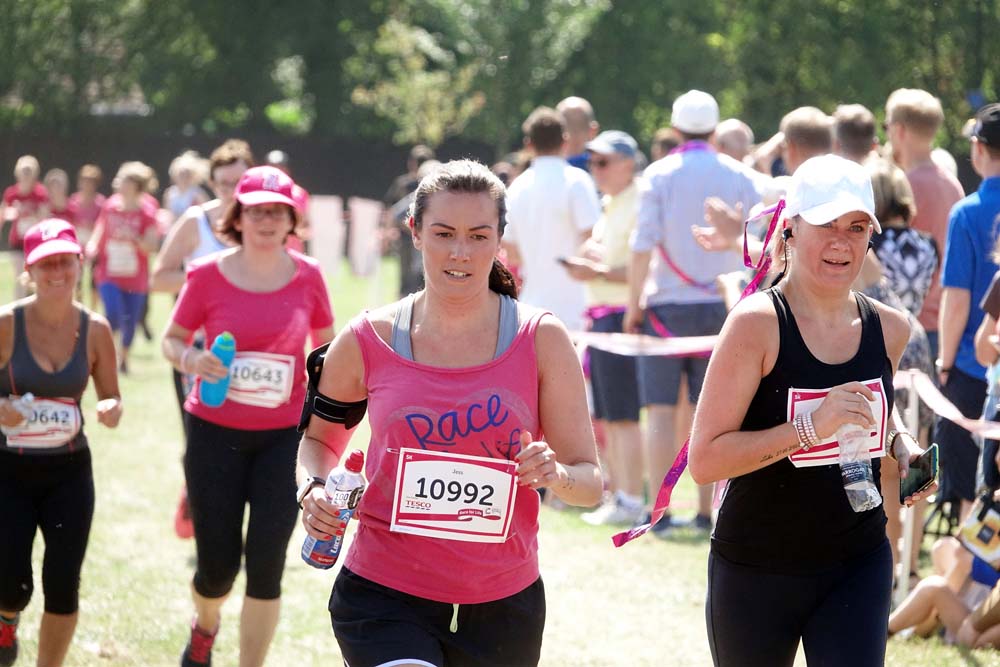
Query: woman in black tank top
[49, 347]
[790, 559]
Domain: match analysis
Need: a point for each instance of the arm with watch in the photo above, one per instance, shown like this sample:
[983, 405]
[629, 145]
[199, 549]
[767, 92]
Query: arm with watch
[903, 448]
[952, 318]
[336, 399]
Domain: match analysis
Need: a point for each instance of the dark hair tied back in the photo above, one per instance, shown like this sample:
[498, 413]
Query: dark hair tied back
[502, 280]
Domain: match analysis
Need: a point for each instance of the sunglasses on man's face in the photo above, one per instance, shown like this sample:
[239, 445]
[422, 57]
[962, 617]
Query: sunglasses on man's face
[600, 163]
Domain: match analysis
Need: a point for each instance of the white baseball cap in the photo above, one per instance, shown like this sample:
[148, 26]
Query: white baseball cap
[828, 186]
[695, 112]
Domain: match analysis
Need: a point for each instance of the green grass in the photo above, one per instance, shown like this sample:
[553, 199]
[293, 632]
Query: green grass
[641, 605]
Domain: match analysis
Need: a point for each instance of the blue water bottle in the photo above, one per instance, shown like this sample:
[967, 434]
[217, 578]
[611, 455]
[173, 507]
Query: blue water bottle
[213, 394]
[344, 487]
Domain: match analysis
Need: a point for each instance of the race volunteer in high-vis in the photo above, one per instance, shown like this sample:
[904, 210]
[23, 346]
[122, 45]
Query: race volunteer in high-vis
[50, 347]
[460, 382]
[270, 300]
[794, 558]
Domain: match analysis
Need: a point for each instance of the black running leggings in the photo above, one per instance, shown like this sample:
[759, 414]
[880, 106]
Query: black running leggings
[226, 469]
[54, 493]
[756, 618]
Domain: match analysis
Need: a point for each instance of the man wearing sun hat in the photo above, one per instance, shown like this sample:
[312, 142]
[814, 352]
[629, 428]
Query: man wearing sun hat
[680, 296]
[966, 276]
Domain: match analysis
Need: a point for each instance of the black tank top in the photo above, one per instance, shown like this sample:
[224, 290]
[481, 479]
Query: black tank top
[22, 375]
[798, 520]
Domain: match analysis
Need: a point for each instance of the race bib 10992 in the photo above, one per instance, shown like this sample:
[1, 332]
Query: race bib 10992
[453, 496]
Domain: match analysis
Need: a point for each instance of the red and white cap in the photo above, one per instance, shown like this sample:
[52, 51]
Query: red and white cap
[50, 237]
[265, 185]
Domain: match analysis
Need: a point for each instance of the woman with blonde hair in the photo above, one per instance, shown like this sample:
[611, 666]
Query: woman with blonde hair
[125, 235]
[794, 364]
[187, 173]
[24, 203]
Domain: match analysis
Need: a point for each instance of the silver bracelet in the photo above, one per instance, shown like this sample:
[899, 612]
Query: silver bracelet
[800, 429]
[806, 431]
[810, 429]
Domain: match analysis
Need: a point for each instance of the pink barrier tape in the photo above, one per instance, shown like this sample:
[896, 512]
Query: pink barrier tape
[941, 406]
[662, 502]
[641, 345]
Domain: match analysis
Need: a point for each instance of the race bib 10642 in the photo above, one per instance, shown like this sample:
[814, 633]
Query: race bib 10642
[453, 496]
[805, 401]
[261, 379]
[53, 423]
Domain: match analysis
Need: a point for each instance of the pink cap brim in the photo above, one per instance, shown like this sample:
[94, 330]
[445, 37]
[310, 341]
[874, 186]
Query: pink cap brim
[259, 197]
[53, 247]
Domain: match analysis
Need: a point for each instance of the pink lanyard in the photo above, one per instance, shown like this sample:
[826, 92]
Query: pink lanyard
[693, 146]
[685, 278]
[680, 463]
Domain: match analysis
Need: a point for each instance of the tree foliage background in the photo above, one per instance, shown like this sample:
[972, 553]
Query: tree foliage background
[424, 70]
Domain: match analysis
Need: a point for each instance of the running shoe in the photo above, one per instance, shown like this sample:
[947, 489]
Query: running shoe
[8, 641]
[183, 525]
[702, 523]
[198, 652]
[613, 513]
[661, 527]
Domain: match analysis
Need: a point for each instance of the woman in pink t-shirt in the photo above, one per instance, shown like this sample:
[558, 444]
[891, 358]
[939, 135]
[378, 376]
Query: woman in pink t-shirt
[444, 567]
[121, 243]
[87, 204]
[271, 300]
[24, 203]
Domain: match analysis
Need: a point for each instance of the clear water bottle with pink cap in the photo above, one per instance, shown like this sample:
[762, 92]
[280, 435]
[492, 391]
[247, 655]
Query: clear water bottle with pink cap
[344, 486]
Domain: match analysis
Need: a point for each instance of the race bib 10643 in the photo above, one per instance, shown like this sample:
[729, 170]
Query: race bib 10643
[805, 401]
[261, 379]
[53, 423]
[453, 496]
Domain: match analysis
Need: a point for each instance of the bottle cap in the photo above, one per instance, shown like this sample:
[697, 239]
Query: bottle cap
[356, 461]
[225, 339]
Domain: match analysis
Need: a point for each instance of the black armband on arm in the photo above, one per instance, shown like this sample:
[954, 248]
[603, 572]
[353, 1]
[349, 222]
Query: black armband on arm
[330, 409]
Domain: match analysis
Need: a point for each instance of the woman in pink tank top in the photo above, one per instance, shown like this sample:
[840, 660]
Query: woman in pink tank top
[444, 567]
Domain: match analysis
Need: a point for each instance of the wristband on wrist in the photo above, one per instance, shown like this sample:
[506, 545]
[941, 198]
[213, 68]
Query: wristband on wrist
[893, 434]
[184, 359]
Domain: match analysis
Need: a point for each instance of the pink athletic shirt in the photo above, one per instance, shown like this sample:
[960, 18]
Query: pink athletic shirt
[85, 215]
[120, 260]
[271, 330]
[27, 205]
[479, 411]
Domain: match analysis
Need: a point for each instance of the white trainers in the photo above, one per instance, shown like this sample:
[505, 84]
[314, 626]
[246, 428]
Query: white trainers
[613, 513]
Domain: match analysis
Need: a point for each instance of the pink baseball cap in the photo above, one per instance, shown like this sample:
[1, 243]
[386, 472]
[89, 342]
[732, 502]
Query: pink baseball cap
[265, 185]
[50, 237]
